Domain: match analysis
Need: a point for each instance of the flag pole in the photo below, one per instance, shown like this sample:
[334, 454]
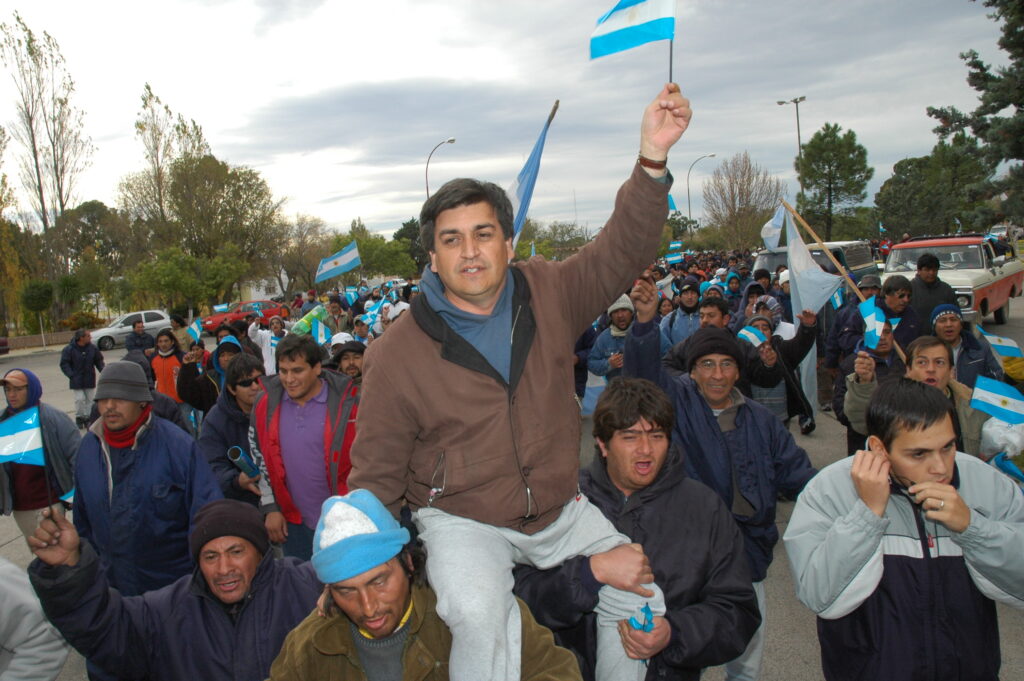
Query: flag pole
[670, 44]
[839, 266]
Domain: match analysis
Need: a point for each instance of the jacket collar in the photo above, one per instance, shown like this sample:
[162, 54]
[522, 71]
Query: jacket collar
[458, 350]
[670, 475]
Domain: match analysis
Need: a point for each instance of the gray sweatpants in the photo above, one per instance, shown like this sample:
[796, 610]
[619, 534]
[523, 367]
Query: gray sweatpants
[469, 566]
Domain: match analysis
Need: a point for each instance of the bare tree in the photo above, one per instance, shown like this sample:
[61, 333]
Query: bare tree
[155, 128]
[307, 240]
[739, 198]
[47, 125]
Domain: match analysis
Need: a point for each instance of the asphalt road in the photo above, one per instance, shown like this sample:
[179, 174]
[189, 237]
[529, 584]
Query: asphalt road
[791, 649]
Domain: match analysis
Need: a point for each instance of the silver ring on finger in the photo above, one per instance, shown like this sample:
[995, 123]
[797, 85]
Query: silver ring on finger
[942, 504]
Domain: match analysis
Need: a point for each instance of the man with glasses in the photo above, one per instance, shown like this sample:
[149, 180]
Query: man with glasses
[731, 444]
[929, 361]
[894, 302]
[226, 428]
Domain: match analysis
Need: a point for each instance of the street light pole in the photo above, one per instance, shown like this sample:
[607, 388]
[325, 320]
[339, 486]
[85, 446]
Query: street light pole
[689, 215]
[426, 171]
[799, 145]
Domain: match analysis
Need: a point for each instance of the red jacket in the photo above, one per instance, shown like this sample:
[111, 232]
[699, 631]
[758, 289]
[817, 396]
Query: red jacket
[339, 432]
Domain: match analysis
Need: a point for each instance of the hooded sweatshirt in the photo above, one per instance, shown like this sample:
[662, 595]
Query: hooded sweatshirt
[28, 482]
[490, 334]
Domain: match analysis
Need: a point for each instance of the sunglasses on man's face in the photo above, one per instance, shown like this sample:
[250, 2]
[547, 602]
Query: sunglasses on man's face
[246, 382]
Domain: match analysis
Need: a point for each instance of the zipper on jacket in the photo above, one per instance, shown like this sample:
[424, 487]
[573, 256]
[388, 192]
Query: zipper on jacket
[529, 515]
[436, 491]
[928, 629]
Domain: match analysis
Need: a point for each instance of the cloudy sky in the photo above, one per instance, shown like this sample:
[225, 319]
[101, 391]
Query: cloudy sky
[337, 103]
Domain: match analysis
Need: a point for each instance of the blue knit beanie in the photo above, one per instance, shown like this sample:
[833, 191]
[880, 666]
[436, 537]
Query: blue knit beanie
[945, 308]
[355, 534]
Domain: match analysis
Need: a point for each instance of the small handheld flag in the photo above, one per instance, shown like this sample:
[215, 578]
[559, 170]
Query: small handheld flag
[671, 204]
[675, 246]
[752, 335]
[320, 332]
[998, 399]
[339, 263]
[647, 625]
[21, 439]
[223, 307]
[874, 322]
[632, 23]
[195, 329]
[837, 299]
[673, 258]
[1004, 347]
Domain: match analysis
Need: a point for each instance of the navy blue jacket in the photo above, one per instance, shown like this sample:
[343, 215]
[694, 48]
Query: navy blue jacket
[696, 554]
[976, 358]
[140, 530]
[180, 632]
[80, 364]
[224, 427]
[143, 341]
[760, 453]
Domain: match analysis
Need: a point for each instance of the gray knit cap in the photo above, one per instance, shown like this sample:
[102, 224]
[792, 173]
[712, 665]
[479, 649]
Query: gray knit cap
[123, 381]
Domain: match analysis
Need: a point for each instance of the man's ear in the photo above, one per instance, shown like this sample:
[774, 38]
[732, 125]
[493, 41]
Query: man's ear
[433, 261]
[601, 446]
[876, 445]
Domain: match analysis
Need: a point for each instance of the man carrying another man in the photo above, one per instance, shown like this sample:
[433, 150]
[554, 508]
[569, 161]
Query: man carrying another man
[473, 431]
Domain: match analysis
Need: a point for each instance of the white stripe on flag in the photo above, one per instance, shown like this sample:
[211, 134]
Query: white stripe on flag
[752, 335]
[998, 399]
[21, 440]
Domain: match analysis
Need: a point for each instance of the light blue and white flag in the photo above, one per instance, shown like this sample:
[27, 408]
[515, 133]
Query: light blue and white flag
[810, 288]
[195, 329]
[752, 335]
[837, 299]
[69, 497]
[533, 248]
[1004, 347]
[321, 334]
[998, 399]
[671, 204]
[521, 190]
[631, 23]
[673, 258]
[21, 440]
[344, 260]
[351, 294]
[881, 228]
[874, 322]
[223, 307]
[959, 227]
[675, 246]
[371, 313]
[772, 230]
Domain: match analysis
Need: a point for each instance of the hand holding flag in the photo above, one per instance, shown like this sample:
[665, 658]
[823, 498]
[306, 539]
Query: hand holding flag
[195, 329]
[752, 335]
[664, 122]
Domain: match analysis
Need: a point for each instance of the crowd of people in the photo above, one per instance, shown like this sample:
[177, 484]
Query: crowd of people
[405, 501]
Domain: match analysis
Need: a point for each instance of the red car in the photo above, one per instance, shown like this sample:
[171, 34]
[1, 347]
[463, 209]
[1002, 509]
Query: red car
[264, 308]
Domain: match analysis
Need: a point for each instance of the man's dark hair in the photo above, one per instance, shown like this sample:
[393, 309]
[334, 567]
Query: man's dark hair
[762, 273]
[241, 366]
[167, 333]
[922, 343]
[464, 192]
[928, 261]
[178, 319]
[80, 334]
[223, 327]
[720, 303]
[625, 401]
[895, 284]
[137, 322]
[903, 404]
[299, 346]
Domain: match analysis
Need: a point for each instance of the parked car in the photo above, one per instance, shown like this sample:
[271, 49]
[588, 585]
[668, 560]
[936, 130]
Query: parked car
[117, 330]
[855, 256]
[983, 281]
[264, 308]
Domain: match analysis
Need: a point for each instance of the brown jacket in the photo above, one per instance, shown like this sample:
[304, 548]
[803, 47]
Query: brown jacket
[321, 648]
[438, 426]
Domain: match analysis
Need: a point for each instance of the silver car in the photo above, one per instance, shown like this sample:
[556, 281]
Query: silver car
[120, 327]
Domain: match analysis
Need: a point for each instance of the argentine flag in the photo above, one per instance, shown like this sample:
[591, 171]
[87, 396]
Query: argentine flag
[223, 307]
[632, 23]
[521, 190]
[21, 440]
[874, 322]
[837, 299]
[771, 231]
[752, 335]
[339, 263]
[675, 246]
[195, 329]
[673, 258]
[1005, 347]
[998, 399]
[321, 334]
[351, 294]
[372, 312]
